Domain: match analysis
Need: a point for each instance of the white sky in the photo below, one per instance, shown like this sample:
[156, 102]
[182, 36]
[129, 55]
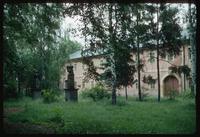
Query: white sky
[73, 23]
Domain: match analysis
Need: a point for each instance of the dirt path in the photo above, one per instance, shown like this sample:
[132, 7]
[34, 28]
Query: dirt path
[22, 128]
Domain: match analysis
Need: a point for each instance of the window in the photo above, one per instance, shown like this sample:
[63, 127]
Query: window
[190, 82]
[74, 67]
[189, 53]
[163, 56]
[92, 83]
[152, 85]
[83, 84]
[152, 57]
[170, 57]
[136, 84]
[101, 62]
[78, 86]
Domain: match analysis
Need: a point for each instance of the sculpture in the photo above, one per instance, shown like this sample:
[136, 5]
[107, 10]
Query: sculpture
[70, 90]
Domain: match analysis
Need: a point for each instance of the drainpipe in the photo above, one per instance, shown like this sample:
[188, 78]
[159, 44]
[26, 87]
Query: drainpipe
[184, 64]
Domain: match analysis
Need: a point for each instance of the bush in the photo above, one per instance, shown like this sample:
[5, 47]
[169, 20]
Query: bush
[96, 93]
[10, 89]
[121, 103]
[186, 94]
[49, 96]
[172, 94]
[144, 93]
[57, 118]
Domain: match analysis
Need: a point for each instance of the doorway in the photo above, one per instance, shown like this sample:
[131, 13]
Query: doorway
[170, 83]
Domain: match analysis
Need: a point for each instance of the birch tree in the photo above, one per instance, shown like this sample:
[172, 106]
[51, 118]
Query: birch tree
[192, 37]
[165, 34]
[105, 33]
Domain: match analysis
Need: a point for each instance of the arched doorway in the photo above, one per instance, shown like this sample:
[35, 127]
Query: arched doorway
[170, 83]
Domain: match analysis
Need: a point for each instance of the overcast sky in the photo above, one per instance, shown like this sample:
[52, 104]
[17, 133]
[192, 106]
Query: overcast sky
[73, 23]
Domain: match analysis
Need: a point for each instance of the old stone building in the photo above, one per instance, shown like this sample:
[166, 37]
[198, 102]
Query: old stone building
[169, 81]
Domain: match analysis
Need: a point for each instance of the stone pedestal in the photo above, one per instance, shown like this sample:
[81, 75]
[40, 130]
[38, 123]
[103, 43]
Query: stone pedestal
[36, 94]
[70, 91]
[71, 95]
[36, 90]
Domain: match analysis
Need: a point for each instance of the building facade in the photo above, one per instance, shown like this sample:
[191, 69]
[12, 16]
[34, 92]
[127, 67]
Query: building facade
[168, 80]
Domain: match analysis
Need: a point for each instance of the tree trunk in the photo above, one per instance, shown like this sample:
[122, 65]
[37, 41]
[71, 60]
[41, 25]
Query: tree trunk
[126, 92]
[111, 42]
[158, 73]
[19, 84]
[158, 65]
[184, 64]
[114, 100]
[138, 64]
[193, 52]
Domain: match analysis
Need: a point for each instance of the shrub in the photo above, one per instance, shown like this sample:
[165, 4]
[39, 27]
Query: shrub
[49, 95]
[96, 93]
[57, 118]
[186, 94]
[144, 93]
[121, 103]
[10, 89]
[172, 94]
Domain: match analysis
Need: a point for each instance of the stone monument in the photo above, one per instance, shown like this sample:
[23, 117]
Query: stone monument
[70, 90]
[36, 90]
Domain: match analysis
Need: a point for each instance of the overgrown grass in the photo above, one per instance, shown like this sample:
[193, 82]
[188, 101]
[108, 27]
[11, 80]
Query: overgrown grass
[127, 117]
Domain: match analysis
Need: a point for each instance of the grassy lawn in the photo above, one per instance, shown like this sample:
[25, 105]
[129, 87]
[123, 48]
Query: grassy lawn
[88, 117]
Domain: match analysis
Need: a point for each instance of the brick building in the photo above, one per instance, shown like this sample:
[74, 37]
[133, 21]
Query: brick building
[168, 80]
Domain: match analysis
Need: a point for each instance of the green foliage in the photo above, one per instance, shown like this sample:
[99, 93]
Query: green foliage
[115, 30]
[187, 94]
[10, 89]
[97, 118]
[170, 32]
[180, 69]
[149, 79]
[25, 38]
[49, 95]
[144, 93]
[151, 57]
[57, 120]
[96, 93]
[108, 36]
[121, 103]
[30, 47]
[172, 94]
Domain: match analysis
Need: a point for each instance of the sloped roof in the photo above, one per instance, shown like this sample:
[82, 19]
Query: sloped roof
[75, 55]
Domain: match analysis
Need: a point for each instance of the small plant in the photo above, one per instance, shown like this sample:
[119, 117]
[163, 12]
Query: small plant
[96, 93]
[121, 103]
[172, 94]
[186, 94]
[144, 93]
[10, 89]
[49, 96]
[57, 119]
